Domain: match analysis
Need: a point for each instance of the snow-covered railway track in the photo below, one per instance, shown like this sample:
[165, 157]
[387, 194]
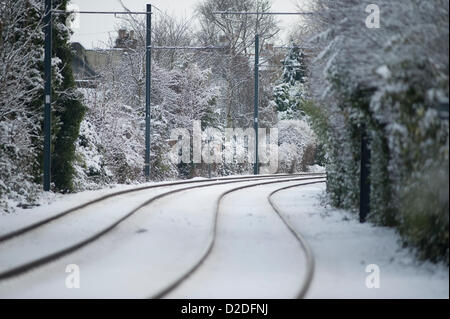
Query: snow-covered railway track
[169, 290]
[306, 247]
[15, 247]
[17, 232]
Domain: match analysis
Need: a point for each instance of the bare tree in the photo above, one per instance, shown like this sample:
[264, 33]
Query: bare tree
[234, 63]
[170, 31]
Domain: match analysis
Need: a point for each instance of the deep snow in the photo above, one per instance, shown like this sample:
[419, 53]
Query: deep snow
[343, 249]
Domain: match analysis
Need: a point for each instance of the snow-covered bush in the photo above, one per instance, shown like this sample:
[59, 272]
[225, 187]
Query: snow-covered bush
[90, 162]
[392, 82]
[20, 86]
[112, 141]
[296, 146]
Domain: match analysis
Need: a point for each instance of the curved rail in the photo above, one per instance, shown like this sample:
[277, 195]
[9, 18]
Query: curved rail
[310, 263]
[44, 221]
[18, 270]
[210, 247]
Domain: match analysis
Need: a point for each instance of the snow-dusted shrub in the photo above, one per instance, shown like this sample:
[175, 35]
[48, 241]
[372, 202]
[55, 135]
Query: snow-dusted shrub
[296, 146]
[297, 142]
[115, 153]
[418, 147]
[90, 164]
[424, 217]
[392, 81]
[20, 87]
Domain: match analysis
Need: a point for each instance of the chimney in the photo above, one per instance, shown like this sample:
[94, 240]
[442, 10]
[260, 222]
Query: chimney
[223, 41]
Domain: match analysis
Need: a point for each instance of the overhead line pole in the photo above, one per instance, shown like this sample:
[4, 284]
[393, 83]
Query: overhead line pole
[148, 79]
[256, 106]
[47, 75]
[48, 82]
[150, 47]
[47, 93]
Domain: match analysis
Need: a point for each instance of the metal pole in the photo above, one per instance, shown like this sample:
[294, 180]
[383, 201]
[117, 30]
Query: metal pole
[209, 154]
[47, 93]
[364, 194]
[255, 122]
[148, 75]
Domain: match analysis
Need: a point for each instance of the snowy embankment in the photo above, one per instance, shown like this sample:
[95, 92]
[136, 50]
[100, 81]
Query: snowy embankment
[343, 248]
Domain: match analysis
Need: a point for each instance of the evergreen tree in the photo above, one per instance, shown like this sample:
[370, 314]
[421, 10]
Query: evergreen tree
[68, 111]
[294, 68]
[289, 91]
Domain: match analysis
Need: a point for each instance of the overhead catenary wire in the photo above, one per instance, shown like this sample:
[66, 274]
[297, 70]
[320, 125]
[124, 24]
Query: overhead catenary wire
[153, 47]
[99, 12]
[262, 13]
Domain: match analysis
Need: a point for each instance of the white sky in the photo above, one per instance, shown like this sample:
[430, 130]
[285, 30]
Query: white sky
[92, 30]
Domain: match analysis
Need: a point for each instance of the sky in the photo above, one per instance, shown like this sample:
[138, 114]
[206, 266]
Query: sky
[93, 31]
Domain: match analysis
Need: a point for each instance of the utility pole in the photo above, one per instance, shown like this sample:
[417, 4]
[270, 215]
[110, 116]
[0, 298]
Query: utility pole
[148, 70]
[255, 121]
[48, 83]
[47, 93]
[209, 154]
[257, 13]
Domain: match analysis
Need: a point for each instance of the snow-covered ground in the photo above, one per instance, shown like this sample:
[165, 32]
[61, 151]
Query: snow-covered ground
[343, 248]
[137, 260]
[254, 255]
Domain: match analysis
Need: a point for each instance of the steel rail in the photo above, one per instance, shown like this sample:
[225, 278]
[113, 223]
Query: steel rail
[18, 270]
[47, 220]
[164, 292]
[310, 262]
